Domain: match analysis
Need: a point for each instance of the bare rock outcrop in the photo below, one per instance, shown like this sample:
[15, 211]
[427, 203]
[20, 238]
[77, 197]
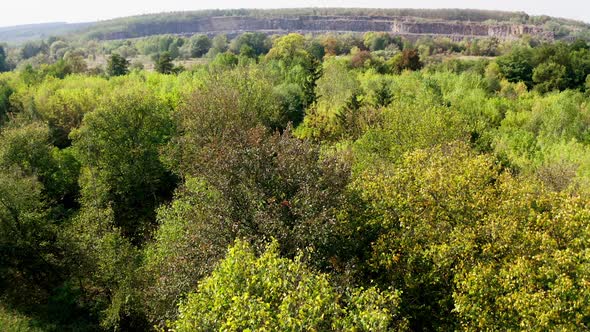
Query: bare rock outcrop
[338, 24]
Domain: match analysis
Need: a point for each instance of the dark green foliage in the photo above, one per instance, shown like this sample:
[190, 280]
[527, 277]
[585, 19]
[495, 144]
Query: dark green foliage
[251, 44]
[31, 49]
[549, 76]
[5, 93]
[28, 256]
[117, 65]
[192, 233]
[517, 66]
[28, 149]
[3, 63]
[257, 172]
[118, 147]
[549, 66]
[199, 45]
[376, 41]
[316, 49]
[163, 63]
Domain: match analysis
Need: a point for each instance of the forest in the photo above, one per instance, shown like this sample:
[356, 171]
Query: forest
[295, 183]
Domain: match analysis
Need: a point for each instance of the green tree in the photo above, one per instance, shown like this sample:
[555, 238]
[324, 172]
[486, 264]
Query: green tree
[258, 43]
[529, 273]
[118, 147]
[549, 76]
[194, 233]
[31, 49]
[223, 142]
[273, 293]
[199, 45]
[105, 269]
[493, 77]
[295, 64]
[3, 64]
[408, 59]
[418, 217]
[164, 63]
[225, 60]
[28, 148]
[219, 44]
[517, 66]
[289, 48]
[316, 49]
[117, 65]
[29, 255]
[58, 49]
[5, 92]
[375, 41]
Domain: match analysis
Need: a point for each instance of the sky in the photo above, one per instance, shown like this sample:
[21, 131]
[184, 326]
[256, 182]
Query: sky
[16, 12]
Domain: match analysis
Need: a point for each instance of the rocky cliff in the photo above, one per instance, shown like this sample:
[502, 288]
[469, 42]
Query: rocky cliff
[337, 24]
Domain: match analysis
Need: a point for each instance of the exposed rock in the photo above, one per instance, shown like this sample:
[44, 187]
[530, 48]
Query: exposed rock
[338, 24]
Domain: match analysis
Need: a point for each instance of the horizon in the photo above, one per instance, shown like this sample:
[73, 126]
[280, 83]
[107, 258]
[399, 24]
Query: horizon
[15, 17]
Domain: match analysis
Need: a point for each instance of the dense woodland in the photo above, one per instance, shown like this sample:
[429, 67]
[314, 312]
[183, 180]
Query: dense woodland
[296, 183]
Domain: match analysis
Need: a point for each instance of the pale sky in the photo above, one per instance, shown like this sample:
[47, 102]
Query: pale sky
[15, 12]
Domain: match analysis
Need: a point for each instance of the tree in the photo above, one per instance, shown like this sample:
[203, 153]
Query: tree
[58, 49]
[289, 48]
[31, 49]
[273, 293]
[296, 65]
[5, 92]
[375, 41]
[579, 68]
[416, 216]
[164, 63]
[3, 64]
[251, 44]
[218, 45]
[517, 66]
[199, 45]
[316, 49]
[225, 60]
[105, 269]
[408, 59]
[118, 146]
[29, 255]
[75, 61]
[259, 173]
[549, 76]
[27, 147]
[193, 234]
[493, 77]
[332, 44]
[117, 65]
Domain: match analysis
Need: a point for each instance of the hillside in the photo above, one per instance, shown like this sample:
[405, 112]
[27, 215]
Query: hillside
[22, 33]
[457, 23]
[454, 23]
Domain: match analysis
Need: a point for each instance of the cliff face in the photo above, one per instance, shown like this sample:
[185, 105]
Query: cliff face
[501, 31]
[337, 24]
